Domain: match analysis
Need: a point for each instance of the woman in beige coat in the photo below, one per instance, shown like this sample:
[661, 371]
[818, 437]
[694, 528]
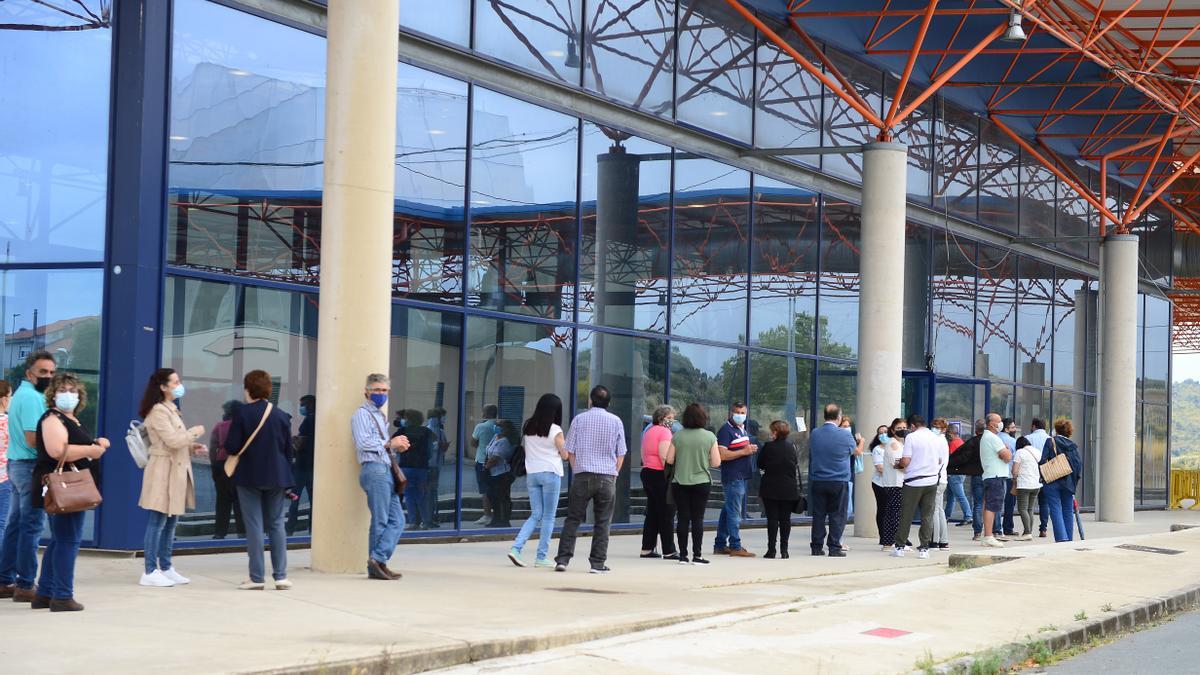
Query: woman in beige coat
[167, 486]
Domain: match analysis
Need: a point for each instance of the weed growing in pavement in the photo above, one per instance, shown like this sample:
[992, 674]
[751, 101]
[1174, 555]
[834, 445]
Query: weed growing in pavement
[1040, 652]
[1048, 628]
[1106, 607]
[988, 663]
[925, 663]
[1081, 615]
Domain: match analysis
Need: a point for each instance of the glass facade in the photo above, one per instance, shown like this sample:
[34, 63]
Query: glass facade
[539, 251]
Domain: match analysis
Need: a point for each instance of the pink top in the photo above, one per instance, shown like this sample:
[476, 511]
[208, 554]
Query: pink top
[653, 437]
[3, 447]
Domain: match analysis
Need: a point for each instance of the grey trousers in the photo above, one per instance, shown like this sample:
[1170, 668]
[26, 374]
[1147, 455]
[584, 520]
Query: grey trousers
[915, 498]
[601, 490]
[941, 530]
[1025, 501]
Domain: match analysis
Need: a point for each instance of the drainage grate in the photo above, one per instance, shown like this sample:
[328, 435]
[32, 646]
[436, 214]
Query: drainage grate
[1149, 549]
[597, 591]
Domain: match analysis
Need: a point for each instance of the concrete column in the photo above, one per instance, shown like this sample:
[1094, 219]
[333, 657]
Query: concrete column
[1118, 373]
[356, 262]
[881, 300]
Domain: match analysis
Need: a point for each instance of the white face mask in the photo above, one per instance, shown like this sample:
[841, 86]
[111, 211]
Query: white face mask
[66, 401]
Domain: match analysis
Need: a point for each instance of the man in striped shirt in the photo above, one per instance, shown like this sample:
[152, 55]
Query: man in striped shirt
[596, 448]
[374, 448]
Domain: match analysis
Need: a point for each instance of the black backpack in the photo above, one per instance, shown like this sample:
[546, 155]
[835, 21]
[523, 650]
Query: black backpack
[518, 461]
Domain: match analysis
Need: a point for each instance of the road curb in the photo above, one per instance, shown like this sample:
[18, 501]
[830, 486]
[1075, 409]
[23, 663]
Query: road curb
[471, 652]
[1113, 623]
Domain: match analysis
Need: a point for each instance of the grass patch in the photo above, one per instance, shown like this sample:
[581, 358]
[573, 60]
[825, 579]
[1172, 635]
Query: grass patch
[988, 663]
[1106, 607]
[925, 663]
[1081, 615]
[1048, 628]
[966, 563]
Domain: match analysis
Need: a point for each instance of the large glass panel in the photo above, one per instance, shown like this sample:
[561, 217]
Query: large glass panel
[953, 311]
[1031, 404]
[917, 267]
[431, 167]
[961, 403]
[449, 20]
[213, 334]
[1157, 345]
[711, 230]
[626, 220]
[1088, 430]
[1003, 400]
[1139, 454]
[1035, 321]
[844, 125]
[996, 313]
[783, 267]
[635, 372]
[1154, 455]
[781, 389]
[629, 52]
[424, 373]
[1155, 230]
[840, 240]
[1075, 310]
[715, 82]
[788, 113]
[59, 311]
[55, 66]
[957, 178]
[509, 366]
[999, 179]
[247, 144]
[1141, 345]
[916, 132]
[522, 213]
[541, 35]
[838, 383]
[1039, 190]
[1074, 214]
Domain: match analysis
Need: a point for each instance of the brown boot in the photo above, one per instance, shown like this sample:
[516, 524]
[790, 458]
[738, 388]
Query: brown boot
[391, 573]
[65, 605]
[40, 602]
[6, 591]
[23, 595]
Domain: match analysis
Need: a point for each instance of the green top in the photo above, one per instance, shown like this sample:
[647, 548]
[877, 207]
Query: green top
[990, 447]
[26, 409]
[692, 447]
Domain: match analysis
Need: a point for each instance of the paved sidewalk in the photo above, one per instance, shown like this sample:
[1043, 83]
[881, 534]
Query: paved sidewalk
[463, 602]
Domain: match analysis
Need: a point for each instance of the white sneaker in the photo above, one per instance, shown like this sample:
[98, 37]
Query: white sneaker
[1025, 537]
[923, 553]
[176, 576]
[156, 579]
[897, 552]
[248, 585]
[886, 549]
[992, 542]
[483, 520]
[283, 585]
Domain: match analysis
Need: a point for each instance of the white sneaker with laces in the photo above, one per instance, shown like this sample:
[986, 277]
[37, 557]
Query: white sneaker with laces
[156, 579]
[175, 576]
[897, 552]
[283, 585]
[992, 542]
[1025, 537]
[923, 553]
[249, 585]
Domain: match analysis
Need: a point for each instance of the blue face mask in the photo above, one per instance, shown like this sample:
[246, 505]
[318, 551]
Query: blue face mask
[379, 400]
[304, 411]
[497, 429]
[178, 391]
[739, 418]
[883, 438]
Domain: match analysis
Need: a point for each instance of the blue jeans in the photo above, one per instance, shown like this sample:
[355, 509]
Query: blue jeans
[58, 563]
[18, 564]
[304, 481]
[955, 494]
[159, 541]
[1043, 512]
[977, 504]
[414, 495]
[387, 518]
[729, 525]
[5, 505]
[544, 490]
[432, 515]
[1060, 502]
[264, 507]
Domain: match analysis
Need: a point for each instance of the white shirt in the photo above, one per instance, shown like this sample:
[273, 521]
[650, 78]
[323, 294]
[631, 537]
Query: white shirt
[541, 454]
[1037, 439]
[1029, 477]
[892, 477]
[925, 458]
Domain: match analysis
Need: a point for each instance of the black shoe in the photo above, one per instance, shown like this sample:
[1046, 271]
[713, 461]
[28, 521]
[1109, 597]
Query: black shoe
[820, 552]
[560, 567]
[839, 553]
[651, 554]
[720, 551]
[218, 536]
[699, 561]
[783, 554]
[40, 602]
[671, 556]
[602, 569]
[770, 553]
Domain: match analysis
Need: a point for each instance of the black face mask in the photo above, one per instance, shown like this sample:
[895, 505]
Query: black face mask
[42, 384]
[900, 433]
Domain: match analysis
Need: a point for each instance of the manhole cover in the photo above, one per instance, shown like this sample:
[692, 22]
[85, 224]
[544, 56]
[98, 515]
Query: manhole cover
[596, 591]
[1149, 549]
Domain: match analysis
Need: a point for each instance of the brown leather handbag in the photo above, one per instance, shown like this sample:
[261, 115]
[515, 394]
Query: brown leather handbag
[69, 491]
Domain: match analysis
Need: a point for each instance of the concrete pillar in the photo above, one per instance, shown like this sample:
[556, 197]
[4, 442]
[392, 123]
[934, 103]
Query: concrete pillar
[356, 262]
[881, 273]
[1118, 373]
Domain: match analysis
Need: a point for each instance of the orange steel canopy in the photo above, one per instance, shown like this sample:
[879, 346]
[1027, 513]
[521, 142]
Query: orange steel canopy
[1110, 84]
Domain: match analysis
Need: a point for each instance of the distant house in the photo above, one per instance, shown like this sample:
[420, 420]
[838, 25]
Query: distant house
[57, 337]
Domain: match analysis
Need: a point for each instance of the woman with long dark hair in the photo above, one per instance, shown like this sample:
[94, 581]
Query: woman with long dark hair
[891, 483]
[168, 488]
[545, 451]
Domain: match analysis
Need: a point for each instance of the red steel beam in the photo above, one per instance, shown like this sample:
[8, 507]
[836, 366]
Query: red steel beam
[1185, 168]
[950, 72]
[890, 120]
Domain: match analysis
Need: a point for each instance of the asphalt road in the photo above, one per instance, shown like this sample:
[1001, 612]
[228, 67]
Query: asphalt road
[1169, 649]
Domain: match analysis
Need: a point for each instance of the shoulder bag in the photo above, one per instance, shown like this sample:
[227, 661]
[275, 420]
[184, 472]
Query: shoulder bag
[69, 491]
[399, 480]
[231, 463]
[1056, 468]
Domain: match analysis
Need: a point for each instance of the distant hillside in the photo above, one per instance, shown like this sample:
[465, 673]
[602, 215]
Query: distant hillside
[1185, 424]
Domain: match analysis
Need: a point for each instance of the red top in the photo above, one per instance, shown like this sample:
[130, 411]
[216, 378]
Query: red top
[955, 444]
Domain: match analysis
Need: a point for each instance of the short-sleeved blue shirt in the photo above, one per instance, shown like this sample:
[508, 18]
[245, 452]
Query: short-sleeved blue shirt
[26, 409]
[735, 469]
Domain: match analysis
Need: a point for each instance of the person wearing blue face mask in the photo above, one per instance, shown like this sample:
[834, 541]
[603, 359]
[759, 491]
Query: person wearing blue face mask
[303, 468]
[368, 425]
[735, 447]
[168, 487]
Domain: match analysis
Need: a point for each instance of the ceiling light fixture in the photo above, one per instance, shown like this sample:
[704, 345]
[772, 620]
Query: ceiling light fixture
[1015, 32]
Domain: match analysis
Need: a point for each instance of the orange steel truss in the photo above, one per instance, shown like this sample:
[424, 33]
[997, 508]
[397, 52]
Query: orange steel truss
[1148, 49]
